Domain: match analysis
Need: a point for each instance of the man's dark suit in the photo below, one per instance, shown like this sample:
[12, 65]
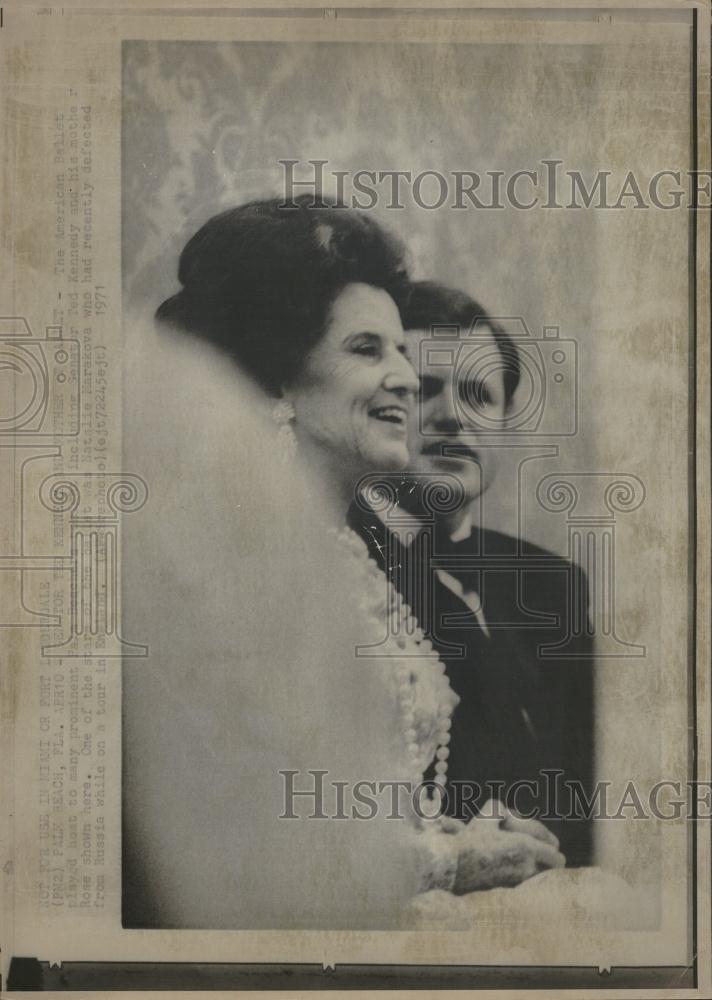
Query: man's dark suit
[520, 713]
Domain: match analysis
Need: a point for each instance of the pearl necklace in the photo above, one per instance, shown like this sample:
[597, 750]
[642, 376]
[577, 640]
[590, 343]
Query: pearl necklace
[383, 603]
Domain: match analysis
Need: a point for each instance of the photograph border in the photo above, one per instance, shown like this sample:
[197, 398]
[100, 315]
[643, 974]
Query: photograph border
[30, 974]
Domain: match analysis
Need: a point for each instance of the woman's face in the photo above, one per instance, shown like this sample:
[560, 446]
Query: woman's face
[354, 395]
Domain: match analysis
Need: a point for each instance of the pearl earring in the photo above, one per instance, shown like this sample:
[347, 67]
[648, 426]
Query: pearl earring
[283, 414]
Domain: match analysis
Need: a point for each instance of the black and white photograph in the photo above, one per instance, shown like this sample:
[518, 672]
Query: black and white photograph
[356, 576]
[371, 407]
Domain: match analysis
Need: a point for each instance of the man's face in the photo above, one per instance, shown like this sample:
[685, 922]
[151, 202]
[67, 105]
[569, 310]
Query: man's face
[456, 403]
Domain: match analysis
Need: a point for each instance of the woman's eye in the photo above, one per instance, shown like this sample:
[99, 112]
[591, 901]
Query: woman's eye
[366, 350]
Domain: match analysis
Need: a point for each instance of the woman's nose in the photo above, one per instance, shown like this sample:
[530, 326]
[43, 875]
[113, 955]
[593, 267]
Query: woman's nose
[402, 376]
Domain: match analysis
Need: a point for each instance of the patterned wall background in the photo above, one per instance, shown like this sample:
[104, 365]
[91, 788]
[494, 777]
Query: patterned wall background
[205, 125]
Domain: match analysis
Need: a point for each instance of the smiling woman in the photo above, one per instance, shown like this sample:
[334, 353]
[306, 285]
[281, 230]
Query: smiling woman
[352, 399]
[301, 311]
[306, 300]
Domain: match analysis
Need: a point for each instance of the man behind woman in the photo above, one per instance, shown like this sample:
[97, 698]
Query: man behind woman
[307, 303]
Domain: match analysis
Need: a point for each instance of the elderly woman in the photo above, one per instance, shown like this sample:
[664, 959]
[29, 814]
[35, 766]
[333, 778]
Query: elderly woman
[306, 302]
[283, 665]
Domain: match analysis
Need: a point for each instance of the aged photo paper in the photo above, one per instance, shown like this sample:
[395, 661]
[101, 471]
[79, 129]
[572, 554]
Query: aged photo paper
[354, 444]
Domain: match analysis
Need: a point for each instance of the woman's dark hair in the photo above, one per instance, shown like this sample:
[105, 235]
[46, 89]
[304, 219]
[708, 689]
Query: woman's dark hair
[430, 304]
[259, 280]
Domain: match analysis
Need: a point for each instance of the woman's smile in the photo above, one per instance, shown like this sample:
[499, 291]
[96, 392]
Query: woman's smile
[355, 396]
[396, 416]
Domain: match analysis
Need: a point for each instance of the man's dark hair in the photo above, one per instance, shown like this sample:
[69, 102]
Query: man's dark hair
[430, 304]
[259, 280]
